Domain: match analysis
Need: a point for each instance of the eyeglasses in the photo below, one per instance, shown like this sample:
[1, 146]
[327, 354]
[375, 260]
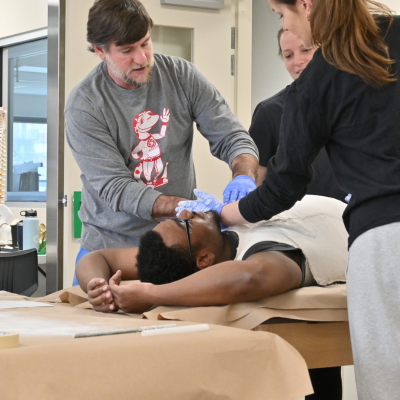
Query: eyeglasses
[186, 222]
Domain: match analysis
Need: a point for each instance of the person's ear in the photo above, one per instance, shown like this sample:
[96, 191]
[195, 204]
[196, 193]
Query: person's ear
[307, 4]
[99, 51]
[204, 259]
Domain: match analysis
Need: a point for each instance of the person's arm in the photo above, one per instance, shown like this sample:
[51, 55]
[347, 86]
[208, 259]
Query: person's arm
[228, 139]
[245, 164]
[214, 119]
[230, 215]
[305, 130]
[104, 167]
[260, 276]
[95, 269]
[244, 173]
[164, 207]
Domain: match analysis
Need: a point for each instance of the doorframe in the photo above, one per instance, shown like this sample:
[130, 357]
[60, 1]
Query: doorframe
[55, 146]
[243, 61]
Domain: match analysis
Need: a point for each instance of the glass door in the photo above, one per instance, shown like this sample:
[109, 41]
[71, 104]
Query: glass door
[27, 121]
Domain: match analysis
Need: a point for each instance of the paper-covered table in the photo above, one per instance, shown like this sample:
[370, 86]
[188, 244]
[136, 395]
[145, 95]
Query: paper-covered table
[223, 362]
[313, 319]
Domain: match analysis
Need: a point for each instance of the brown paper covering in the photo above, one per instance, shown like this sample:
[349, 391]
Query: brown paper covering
[12, 296]
[156, 378]
[306, 304]
[223, 363]
[314, 303]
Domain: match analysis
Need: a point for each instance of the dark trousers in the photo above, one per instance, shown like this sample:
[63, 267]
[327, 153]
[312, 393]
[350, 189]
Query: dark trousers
[327, 384]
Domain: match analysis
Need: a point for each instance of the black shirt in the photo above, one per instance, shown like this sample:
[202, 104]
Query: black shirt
[360, 128]
[264, 130]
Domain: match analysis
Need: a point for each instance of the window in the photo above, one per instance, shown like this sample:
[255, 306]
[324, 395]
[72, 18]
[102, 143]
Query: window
[25, 96]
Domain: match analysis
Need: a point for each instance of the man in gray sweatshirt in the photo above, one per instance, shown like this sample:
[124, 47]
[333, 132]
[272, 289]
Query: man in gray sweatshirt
[129, 124]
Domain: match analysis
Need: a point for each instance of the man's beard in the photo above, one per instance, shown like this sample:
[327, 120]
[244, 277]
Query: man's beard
[118, 73]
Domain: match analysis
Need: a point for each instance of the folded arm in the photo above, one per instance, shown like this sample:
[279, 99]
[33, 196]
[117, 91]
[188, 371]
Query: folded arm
[260, 276]
[95, 269]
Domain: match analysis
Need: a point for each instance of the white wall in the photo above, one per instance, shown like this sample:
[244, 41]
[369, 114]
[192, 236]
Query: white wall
[393, 4]
[269, 74]
[19, 16]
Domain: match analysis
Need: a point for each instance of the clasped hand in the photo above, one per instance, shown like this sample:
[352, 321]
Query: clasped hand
[108, 298]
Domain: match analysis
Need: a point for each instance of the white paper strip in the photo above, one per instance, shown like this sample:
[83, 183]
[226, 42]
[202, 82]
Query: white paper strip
[22, 304]
[178, 329]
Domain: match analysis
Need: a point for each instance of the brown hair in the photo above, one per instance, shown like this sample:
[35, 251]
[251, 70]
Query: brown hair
[117, 21]
[350, 40]
[278, 36]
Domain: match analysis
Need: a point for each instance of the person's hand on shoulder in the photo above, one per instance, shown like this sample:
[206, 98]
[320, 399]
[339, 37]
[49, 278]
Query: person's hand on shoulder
[100, 296]
[240, 187]
[130, 298]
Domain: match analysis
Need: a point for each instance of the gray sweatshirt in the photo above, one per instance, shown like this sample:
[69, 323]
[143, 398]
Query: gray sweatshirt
[134, 145]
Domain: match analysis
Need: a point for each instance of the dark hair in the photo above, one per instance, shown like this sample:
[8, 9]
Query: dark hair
[117, 21]
[159, 264]
[349, 37]
[278, 36]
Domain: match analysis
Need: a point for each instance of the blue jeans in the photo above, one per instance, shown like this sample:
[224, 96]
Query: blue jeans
[81, 253]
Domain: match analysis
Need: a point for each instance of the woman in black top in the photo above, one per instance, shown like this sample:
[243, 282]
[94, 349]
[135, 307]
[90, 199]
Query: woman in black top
[264, 130]
[266, 122]
[348, 101]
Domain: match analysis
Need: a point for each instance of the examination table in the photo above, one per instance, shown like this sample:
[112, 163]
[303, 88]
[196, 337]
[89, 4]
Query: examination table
[222, 363]
[313, 319]
[235, 363]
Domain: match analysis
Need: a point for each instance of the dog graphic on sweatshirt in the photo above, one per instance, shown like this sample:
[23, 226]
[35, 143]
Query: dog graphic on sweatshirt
[150, 158]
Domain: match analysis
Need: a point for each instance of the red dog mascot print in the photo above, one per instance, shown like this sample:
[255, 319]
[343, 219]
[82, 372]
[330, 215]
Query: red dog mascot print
[150, 158]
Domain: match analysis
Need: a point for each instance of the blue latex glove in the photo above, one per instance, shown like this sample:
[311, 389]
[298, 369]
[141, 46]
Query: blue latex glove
[207, 202]
[240, 187]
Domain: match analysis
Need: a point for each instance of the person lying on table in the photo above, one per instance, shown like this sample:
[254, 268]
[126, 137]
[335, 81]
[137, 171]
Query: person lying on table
[188, 261]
